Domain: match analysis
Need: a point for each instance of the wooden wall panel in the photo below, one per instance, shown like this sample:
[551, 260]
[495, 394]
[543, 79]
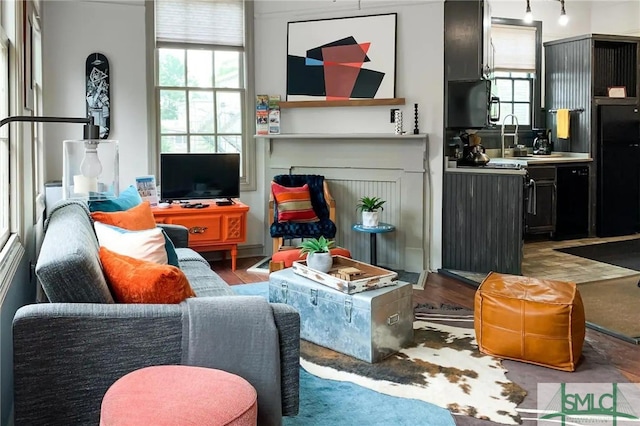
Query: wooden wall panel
[482, 222]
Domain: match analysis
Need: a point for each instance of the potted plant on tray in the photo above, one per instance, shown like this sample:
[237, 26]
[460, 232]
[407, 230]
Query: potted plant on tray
[369, 207]
[318, 255]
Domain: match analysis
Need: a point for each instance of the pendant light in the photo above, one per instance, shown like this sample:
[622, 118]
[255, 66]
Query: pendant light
[528, 16]
[564, 19]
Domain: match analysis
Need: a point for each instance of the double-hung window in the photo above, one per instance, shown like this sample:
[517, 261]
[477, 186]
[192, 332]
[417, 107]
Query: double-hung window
[515, 92]
[201, 91]
[516, 76]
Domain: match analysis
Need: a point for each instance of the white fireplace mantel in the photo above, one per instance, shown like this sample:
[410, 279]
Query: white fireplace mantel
[339, 136]
[393, 167]
[343, 136]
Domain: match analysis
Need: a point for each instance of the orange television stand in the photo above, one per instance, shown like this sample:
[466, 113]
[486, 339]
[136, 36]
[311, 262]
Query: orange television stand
[211, 228]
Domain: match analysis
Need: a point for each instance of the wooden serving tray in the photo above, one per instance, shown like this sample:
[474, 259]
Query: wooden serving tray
[342, 275]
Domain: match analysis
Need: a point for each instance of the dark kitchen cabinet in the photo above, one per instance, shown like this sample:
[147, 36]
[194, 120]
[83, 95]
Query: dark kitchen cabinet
[467, 39]
[578, 72]
[543, 217]
[482, 222]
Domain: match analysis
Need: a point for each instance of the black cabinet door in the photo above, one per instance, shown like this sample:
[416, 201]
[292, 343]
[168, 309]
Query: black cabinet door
[482, 222]
[544, 218]
[466, 39]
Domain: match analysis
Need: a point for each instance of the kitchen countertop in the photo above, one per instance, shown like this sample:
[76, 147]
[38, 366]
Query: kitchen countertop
[553, 158]
[503, 165]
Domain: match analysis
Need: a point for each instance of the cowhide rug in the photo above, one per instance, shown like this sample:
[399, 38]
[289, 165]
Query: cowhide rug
[442, 367]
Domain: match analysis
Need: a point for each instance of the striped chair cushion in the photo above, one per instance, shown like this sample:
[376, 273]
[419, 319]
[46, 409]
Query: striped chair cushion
[293, 203]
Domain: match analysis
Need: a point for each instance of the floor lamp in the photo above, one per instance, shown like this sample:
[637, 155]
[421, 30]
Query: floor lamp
[83, 174]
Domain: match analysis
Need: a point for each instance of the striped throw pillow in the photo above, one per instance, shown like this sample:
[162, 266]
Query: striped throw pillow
[294, 203]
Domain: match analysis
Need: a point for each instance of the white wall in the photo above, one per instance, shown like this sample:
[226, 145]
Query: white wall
[616, 17]
[419, 79]
[74, 29]
[71, 31]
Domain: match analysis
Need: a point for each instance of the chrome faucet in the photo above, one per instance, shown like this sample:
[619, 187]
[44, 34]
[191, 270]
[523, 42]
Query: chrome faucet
[503, 134]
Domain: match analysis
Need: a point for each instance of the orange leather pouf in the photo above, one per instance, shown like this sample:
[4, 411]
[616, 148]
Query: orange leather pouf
[528, 319]
[170, 395]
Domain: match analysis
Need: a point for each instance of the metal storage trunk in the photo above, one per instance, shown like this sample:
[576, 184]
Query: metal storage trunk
[369, 326]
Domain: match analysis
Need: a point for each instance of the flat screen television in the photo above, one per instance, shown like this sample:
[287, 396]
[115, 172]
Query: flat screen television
[196, 176]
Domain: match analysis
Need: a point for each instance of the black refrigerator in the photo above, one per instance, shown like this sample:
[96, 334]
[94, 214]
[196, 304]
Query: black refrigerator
[618, 187]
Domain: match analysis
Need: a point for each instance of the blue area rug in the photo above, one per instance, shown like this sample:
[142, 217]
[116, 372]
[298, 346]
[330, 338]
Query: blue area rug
[330, 402]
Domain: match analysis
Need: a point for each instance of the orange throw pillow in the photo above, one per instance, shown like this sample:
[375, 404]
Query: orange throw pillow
[137, 218]
[294, 203]
[138, 281]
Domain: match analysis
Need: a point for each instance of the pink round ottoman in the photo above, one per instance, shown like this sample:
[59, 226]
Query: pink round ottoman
[179, 395]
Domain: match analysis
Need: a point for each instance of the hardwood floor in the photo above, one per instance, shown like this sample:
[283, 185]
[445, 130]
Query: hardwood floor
[442, 289]
[240, 276]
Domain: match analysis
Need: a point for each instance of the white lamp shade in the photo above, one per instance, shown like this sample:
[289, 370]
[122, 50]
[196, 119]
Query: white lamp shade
[90, 169]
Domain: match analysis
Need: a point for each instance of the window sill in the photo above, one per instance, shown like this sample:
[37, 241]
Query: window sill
[10, 258]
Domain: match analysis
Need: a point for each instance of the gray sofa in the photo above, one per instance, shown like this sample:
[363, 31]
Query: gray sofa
[69, 351]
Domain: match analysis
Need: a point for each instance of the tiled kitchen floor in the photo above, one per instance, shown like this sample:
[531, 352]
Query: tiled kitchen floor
[542, 261]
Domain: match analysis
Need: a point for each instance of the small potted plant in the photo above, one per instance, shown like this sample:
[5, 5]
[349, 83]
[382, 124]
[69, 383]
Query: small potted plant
[317, 251]
[369, 207]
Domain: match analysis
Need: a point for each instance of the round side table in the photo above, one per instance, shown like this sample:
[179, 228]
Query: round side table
[374, 231]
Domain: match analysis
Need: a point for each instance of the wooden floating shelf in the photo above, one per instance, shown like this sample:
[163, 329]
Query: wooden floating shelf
[349, 102]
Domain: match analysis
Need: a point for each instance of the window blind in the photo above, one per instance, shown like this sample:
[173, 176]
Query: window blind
[217, 22]
[515, 48]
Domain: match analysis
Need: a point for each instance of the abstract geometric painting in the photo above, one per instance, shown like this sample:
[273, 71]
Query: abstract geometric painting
[342, 58]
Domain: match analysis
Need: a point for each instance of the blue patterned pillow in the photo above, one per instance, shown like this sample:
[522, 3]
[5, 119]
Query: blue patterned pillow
[127, 199]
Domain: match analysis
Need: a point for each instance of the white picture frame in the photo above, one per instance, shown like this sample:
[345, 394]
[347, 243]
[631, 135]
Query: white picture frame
[342, 58]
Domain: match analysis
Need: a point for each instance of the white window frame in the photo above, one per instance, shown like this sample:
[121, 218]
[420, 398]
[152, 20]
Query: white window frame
[38, 109]
[12, 250]
[248, 172]
[5, 152]
[213, 90]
